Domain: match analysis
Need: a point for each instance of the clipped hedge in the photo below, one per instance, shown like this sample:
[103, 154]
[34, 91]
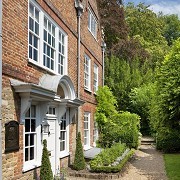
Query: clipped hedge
[103, 162]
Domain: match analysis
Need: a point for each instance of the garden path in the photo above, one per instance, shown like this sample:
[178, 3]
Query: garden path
[148, 164]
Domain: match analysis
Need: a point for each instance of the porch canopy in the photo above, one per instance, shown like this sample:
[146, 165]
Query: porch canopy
[51, 88]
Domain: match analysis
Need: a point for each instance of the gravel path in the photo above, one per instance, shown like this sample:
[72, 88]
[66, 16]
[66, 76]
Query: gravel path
[148, 164]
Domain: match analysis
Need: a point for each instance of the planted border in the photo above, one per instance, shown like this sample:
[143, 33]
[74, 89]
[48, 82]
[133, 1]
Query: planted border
[109, 169]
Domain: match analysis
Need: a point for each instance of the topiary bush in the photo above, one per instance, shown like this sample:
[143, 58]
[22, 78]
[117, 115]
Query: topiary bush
[45, 170]
[79, 161]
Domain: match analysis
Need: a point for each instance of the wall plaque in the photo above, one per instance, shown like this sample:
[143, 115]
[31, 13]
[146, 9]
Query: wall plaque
[11, 136]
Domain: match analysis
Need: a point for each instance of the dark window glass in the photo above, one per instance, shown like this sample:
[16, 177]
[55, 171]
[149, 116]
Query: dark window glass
[31, 153]
[27, 125]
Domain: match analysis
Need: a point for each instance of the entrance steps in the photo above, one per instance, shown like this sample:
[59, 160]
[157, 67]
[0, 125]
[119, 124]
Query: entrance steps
[146, 140]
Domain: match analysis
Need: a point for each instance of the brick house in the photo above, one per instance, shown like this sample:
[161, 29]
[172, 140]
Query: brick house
[51, 68]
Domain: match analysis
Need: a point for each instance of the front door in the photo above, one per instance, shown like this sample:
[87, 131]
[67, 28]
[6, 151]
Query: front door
[51, 145]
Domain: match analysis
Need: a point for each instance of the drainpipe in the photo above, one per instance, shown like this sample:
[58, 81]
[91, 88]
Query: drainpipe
[0, 87]
[79, 8]
[103, 47]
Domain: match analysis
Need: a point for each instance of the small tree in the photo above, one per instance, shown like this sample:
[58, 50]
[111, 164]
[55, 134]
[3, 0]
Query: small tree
[45, 171]
[79, 162]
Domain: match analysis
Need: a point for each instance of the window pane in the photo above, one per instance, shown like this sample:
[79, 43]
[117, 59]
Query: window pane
[26, 154]
[31, 153]
[37, 15]
[53, 42]
[31, 10]
[62, 146]
[35, 42]
[35, 55]
[53, 31]
[49, 26]
[31, 139]
[48, 62]
[30, 52]
[30, 38]
[49, 38]
[36, 28]
[62, 135]
[33, 125]
[27, 125]
[26, 140]
[45, 35]
[48, 50]
[45, 23]
[52, 64]
[31, 24]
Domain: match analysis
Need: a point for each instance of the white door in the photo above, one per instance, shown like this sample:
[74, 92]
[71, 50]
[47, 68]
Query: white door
[51, 145]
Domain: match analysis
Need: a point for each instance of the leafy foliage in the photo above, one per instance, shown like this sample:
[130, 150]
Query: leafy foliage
[172, 28]
[140, 100]
[103, 161]
[79, 162]
[112, 19]
[45, 170]
[165, 107]
[114, 126]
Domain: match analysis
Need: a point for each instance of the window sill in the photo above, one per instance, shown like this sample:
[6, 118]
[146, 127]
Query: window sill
[28, 167]
[87, 148]
[64, 154]
[88, 90]
[42, 67]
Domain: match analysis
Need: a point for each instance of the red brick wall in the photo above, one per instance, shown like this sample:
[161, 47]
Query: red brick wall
[16, 65]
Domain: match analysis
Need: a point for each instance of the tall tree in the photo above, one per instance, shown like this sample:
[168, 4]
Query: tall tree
[112, 19]
[171, 28]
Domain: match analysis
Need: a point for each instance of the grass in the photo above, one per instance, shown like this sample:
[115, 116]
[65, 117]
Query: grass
[172, 165]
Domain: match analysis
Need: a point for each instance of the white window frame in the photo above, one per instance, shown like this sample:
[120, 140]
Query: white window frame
[87, 117]
[95, 83]
[92, 23]
[65, 118]
[58, 29]
[36, 162]
[87, 73]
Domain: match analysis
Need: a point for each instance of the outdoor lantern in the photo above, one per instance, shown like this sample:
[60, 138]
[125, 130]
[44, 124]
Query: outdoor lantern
[45, 127]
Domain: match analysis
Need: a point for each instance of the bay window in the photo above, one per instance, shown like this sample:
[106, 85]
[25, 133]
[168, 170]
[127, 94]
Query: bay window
[47, 41]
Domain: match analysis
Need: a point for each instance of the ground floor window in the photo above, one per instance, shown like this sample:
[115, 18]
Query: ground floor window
[86, 129]
[30, 133]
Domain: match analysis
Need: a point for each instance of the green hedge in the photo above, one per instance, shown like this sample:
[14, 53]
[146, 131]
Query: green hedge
[168, 141]
[103, 161]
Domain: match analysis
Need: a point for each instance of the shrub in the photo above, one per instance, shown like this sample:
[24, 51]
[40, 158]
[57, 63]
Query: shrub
[114, 126]
[168, 141]
[103, 161]
[45, 170]
[79, 162]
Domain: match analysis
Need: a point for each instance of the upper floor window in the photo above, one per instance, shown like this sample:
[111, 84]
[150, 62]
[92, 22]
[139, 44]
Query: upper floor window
[95, 77]
[92, 23]
[87, 73]
[47, 41]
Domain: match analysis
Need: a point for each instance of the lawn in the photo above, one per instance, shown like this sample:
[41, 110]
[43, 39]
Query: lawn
[172, 165]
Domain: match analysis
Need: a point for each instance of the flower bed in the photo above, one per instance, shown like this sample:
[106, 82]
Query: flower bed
[111, 159]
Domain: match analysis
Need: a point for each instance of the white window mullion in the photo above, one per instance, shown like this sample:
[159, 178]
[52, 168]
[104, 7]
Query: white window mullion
[41, 37]
[57, 47]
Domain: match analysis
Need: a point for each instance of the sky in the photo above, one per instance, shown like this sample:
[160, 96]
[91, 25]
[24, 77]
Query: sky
[166, 6]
